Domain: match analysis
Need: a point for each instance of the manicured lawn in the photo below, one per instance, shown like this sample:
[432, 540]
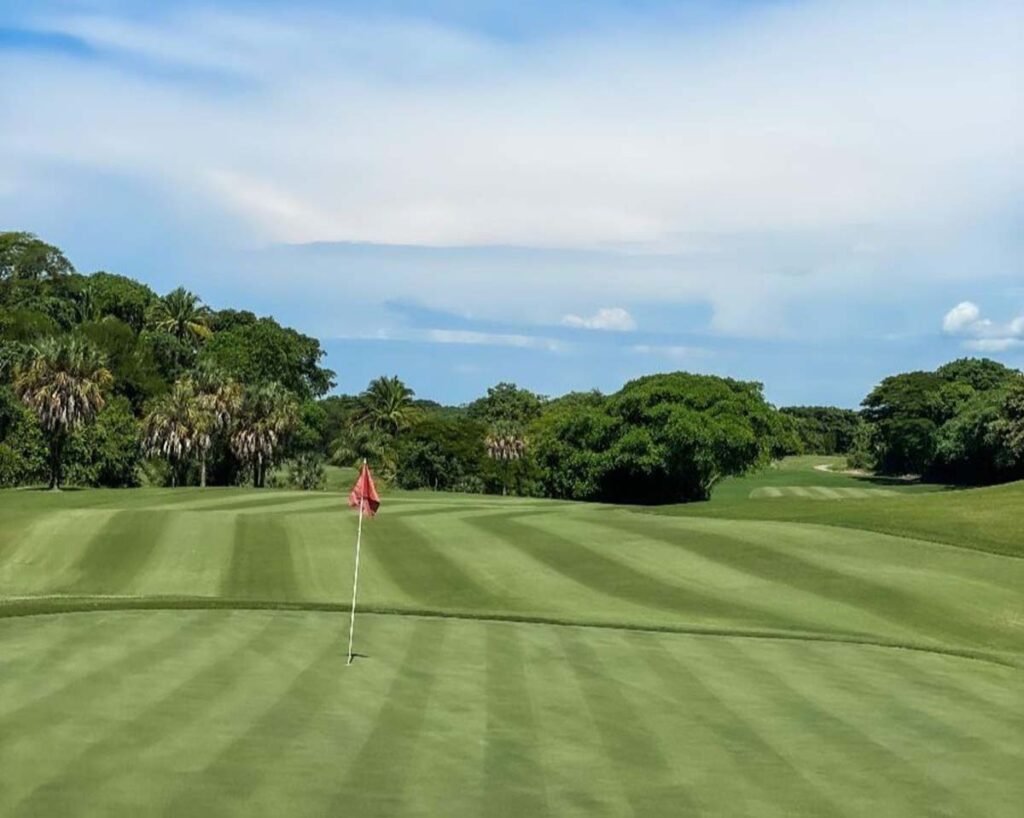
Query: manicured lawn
[182, 653]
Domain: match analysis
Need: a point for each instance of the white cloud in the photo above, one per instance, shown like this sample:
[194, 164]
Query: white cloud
[986, 335]
[606, 318]
[961, 316]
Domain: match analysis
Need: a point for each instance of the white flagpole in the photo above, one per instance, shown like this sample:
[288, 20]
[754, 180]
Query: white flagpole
[355, 579]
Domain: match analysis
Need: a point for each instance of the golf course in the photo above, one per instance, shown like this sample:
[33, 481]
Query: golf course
[806, 643]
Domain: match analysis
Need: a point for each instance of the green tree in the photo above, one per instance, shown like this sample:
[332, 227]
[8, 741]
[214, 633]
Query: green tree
[442, 452]
[24, 257]
[662, 438]
[1008, 429]
[386, 406]
[106, 452]
[358, 442]
[571, 445]
[22, 445]
[267, 415]
[136, 373]
[934, 423]
[507, 403]
[181, 314]
[120, 297]
[823, 429]
[219, 400]
[63, 383]
[176, 426]
[262, 351]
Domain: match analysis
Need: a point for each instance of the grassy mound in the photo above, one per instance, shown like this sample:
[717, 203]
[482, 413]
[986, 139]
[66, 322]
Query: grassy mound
[766, 657]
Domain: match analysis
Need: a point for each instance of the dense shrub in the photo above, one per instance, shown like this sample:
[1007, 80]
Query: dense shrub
[306, 471]
[22, 446]
[106, 452]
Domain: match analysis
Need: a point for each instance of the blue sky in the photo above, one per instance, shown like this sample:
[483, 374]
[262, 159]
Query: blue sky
[809, 194]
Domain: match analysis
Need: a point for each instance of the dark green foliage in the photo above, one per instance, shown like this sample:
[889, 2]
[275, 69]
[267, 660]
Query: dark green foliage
[132, 362]
[106, 452]
[570, 445]
[171, 355]
[310, 429]
[265, 352]
[24, 257]
[441, 453]
[981, 374]
[121, 298]
[506, 403]
[943, 425]
[338, 412]
[19, 324]
[662, 438]
[823, 429]
[1008, 429]
[22, 445]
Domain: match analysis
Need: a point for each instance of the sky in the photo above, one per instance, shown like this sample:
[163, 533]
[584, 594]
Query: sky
[812, 194]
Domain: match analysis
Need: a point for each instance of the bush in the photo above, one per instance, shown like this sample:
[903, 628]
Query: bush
[22, 446]
[307, 472]
[107, 451]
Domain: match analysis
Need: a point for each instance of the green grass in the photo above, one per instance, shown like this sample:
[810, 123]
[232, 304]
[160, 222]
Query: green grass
[182, 653]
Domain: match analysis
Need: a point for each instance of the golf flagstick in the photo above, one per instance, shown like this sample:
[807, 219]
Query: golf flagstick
[364, 497]
[355, 581]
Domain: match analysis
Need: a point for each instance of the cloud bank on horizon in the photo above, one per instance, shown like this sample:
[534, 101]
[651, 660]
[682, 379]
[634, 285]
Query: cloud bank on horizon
[730, 186]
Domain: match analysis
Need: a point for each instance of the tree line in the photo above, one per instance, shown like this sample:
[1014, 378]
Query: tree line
[103, 382]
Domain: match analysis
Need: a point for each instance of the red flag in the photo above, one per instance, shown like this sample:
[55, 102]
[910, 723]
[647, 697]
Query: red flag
[364, 493]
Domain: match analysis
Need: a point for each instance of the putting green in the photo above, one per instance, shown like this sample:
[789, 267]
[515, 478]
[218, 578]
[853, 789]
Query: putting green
[182, 653]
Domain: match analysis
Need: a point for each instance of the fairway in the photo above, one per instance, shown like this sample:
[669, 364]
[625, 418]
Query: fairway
[770, 653]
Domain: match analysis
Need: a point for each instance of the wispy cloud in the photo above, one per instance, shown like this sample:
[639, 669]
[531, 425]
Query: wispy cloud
[615, 319]
[450, 336]
[675, 353]
[463, 337]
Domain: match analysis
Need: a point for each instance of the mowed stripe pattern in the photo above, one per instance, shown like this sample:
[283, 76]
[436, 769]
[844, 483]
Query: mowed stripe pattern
[820, 492]
[252, 712]
[255, 713]
[526, 559]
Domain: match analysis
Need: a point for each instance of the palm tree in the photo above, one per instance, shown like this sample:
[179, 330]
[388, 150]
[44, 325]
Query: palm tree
[175, 426]
[359, 442]
[506, 444]
[386, 406]
[181, 314]
[62, 381]
[220, 400]
[268, 414]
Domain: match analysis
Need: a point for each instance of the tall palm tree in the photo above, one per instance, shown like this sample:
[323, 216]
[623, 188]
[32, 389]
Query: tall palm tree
[220, 400]
[175, 426]
[267, 416]
[62, 381]
[181, 314]
[386, 406]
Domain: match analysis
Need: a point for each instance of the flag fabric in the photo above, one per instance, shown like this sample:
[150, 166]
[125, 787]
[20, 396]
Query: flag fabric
[364, 493]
